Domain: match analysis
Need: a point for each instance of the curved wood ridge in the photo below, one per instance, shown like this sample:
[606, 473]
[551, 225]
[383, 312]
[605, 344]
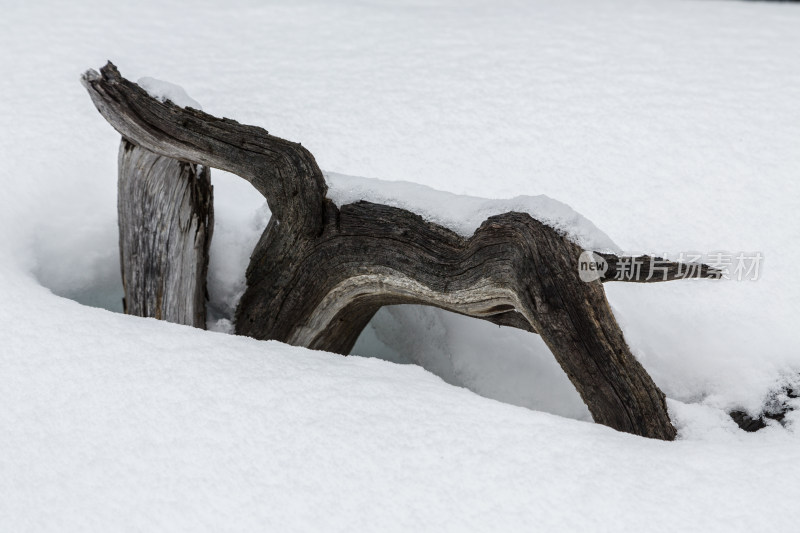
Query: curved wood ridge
[284, 172]
[513, 271]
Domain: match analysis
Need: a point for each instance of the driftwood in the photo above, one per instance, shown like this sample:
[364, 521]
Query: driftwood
[165, 219]
[320, 272]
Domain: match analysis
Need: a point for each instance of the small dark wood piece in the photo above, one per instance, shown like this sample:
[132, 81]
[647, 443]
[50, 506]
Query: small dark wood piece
[320, 272]
[775, 408]
[166, 218]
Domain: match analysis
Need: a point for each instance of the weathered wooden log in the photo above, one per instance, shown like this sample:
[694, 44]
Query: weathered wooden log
[166, 213]
[320, 271]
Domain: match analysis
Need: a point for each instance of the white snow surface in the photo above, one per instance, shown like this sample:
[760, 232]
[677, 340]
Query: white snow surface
[463, 214]
[164, 91]
[673, 126]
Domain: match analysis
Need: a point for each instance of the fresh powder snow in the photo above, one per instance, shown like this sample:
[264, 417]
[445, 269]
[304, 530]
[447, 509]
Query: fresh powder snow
[463, 214]
[164, 91]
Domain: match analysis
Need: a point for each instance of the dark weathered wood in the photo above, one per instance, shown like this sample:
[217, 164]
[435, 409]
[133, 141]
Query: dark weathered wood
[320, 272]
[514, 270]
[166, 215]
[284, 172]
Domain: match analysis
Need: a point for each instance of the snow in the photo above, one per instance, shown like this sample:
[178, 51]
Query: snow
[164, 91]
[137, 424]
[505, 364]
[463, 214]
[239, 220]
[672, 126]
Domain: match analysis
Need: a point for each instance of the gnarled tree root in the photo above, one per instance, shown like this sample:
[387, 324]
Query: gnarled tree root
[320, 272]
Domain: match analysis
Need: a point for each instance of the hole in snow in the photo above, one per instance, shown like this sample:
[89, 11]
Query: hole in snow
[502, 363]
[79, 259]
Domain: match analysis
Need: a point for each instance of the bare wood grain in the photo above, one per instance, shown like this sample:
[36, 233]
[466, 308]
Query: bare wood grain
[166, 219]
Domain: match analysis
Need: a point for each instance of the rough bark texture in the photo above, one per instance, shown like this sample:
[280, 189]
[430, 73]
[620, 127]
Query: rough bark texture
[320, 272]
[165, 212]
